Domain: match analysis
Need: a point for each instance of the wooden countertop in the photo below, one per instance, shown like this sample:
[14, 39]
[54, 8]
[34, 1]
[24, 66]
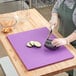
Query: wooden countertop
[28, 20]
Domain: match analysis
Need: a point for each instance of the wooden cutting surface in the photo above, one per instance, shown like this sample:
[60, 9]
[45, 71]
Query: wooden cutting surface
[28, 20]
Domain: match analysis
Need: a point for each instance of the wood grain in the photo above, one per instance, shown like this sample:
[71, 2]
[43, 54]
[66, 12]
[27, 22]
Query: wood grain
[28, 20]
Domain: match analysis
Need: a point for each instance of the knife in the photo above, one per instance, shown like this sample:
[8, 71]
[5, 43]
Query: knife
[50, 32]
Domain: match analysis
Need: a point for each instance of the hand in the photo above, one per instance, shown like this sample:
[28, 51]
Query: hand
[54, 21]
[60, 41]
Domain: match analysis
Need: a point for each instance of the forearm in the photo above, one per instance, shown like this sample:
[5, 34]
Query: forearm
[54, 19]
[54, 15]
[71, 37]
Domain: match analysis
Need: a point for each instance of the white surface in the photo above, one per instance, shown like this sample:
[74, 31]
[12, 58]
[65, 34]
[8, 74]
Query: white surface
[62, 74]
[5, 0]
[74, 73]
[7, 66]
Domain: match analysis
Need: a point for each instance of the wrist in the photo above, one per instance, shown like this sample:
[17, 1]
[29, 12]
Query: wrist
[67, 41]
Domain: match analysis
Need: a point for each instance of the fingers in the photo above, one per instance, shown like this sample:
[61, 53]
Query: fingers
[56, 43]
[53, 23]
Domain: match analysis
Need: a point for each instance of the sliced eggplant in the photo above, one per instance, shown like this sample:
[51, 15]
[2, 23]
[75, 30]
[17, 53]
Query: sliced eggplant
[37, 44]
[34, 44]
[28, 45]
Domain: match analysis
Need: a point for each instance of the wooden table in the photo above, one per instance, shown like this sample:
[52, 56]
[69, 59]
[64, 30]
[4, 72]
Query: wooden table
[28, 20]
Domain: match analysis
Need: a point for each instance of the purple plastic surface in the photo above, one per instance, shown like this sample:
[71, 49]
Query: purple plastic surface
[37, 57]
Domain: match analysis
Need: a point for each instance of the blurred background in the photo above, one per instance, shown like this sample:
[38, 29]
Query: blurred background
[43, 6]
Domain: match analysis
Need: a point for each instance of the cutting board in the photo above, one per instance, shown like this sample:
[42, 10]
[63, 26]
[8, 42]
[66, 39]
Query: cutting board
[34, 57]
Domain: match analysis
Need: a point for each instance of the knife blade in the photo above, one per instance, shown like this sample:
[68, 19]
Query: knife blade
[50, 31]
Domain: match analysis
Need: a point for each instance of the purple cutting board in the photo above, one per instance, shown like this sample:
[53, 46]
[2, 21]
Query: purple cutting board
[34, 57]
